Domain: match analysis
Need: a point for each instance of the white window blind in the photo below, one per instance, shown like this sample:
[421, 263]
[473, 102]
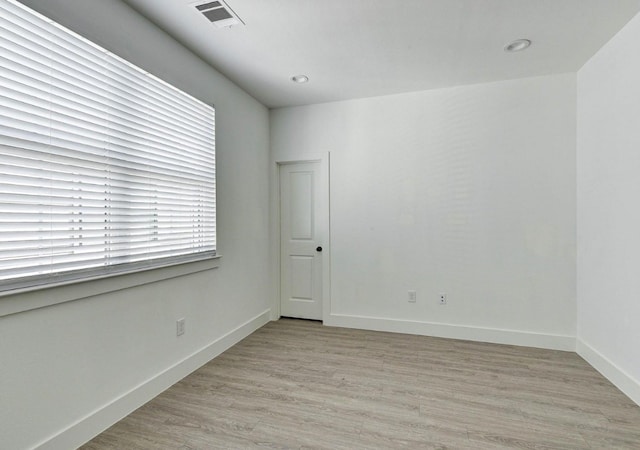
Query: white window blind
[104, 168]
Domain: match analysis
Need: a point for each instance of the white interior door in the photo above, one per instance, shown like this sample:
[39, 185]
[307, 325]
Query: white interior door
[301, 243]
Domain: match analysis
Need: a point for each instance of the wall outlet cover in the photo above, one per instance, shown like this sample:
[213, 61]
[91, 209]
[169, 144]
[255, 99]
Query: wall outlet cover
[180, 327]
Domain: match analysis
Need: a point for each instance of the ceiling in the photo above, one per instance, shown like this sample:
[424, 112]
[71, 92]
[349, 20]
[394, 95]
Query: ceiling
[363, 48]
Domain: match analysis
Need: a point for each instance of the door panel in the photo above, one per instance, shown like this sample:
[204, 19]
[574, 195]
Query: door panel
[302, 277]
[301, 203]
[301, 263]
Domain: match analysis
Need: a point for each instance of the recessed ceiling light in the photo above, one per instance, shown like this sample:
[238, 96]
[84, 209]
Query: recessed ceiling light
[518, 45]
[300, 79]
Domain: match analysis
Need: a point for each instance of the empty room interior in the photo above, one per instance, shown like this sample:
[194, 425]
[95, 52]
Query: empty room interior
[419, 227]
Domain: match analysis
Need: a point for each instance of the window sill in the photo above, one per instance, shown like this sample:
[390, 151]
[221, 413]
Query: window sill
[43, 296]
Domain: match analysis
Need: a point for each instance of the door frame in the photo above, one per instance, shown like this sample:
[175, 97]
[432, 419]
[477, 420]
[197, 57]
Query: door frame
[324, 188]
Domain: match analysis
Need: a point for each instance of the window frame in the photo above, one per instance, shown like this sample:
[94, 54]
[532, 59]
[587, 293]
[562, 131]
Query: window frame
[105, 278]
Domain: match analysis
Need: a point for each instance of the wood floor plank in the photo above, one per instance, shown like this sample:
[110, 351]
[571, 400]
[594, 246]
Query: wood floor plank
[295, 384]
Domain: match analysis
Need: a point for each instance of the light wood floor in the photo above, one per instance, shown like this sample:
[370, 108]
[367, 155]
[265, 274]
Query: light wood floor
[297, 384]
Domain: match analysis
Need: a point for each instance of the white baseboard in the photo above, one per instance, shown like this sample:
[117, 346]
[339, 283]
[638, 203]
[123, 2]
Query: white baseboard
[621, 379]
[105, 416]
[493, 335]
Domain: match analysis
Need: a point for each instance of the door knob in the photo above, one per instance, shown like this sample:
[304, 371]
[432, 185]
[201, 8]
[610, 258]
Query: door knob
[318, 249]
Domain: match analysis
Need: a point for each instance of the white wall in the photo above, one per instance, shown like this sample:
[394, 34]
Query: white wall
[60, 364]
[608, 180]
[468, 191]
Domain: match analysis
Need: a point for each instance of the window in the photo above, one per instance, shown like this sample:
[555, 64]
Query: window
[104, 168]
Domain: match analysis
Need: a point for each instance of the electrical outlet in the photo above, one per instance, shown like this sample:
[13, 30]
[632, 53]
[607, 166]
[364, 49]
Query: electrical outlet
[180, 327]
[412, 296]
[443, 298]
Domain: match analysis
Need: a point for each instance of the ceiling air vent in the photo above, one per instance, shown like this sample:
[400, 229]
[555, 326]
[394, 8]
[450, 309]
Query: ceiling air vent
[218, 13]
